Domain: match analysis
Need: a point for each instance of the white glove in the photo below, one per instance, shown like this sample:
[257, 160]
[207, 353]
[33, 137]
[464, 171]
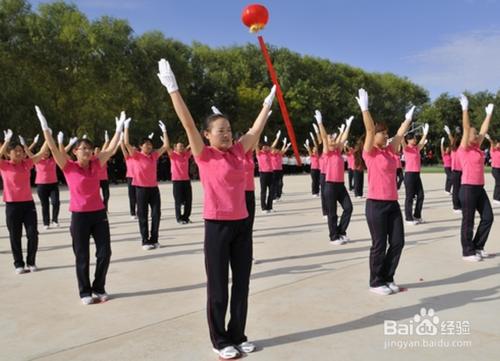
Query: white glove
[216, 111]
[269, 99]
[60, 137]
[334, 136]
[442, 141]
[464, 102]
[316, 130]
[166, 76]
[84, 136]
[151, 135]
[162, 126]
[278, 133]
[106, 136]
[318, 117]
[284, 141]
[341, 128]
[7, 135]
[269, 114]
[426, 128]
[426, 141]
[409, 114]
[72, 141]
[265, 138]
[348, 121]
[362, 99]
[447, 130]
[161, 138]
[120, 123]
[35, 140]
[22, 141]
[307, 143]
[41, 118]
[487, 136]
[311, 135]
[489, 109]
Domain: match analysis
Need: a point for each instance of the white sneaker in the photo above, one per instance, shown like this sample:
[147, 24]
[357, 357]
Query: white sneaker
[33, 268]
[473, 258]
[381, 290]
[45, 227]
[315, 195]
[157, 245]
[264, 211]
[227, 352]
[55, 224]
[393, 287]
[246, 347]
[411, 223]
[337, 242]
[448, 193]
[87, 300]
[133, 218]
[419, 220]
[345, 239]
[103, 297]
[457, 211]
[482, 253]
[147, 247]
[325, 217]
[19, 270]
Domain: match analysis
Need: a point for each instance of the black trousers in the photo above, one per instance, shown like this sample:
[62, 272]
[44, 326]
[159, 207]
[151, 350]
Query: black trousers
[266, 190]
[148, 197]
[336, 192]
[18, 214]
[414, 189]
[227, 244]
[386, 226]
[315, 181]
[322, 182]
[104, 183]
[350, 177]
[83, 225]
[448, 183]
[474, 198]
[250, 203]
[131, 197]
[399, 177]
[277, 184]
[456, 179]
[183, 196]
[496, 175]
[49, 194]
[358, 181]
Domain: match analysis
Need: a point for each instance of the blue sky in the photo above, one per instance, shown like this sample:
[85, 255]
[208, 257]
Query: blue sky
[443, 45]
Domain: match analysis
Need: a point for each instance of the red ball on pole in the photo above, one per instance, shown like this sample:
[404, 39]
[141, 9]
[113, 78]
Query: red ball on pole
[255, 16]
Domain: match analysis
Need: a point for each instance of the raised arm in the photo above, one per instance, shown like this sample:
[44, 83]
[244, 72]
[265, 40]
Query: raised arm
[166, 143]
[422, 142]
[126, 142]
[464, 102]
[107, 153]
[59, 157]
[166, 146]
[368, 122]
[345, 133]
[34, 157]
[322, 130]
[486, 123]
[275, 143]
[442, 147]
[35, 141]
[105, 145]
[7, 136]
[403, 128]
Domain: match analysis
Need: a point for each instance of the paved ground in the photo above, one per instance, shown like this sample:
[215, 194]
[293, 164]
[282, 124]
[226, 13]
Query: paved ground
[309, 300]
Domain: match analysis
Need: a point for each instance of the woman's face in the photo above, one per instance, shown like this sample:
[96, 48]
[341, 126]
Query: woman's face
[83, 152]
[219, 135]
[412, 141]
[473, 136]
[17, 154]
[380, 139]
[146, 147]
[179, 148]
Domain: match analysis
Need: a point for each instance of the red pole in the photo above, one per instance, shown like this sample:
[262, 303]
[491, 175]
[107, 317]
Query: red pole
[281, 101]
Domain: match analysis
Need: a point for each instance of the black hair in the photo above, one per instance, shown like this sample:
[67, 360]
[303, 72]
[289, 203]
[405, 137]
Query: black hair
[83, 141]
[145, 140]
[13, 145]
[410, 136]
[212, 118]
[380, 127]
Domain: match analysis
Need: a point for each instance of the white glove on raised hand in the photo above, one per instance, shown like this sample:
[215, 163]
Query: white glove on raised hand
[426, 141]
[120, 123]
[161, 138]
[409, 113]
[341, 128]
[35, 140]
[489, 109]
[106, 136]
[284, 140]
[162, 126]
[7, 135]
[41, 118]
[307, 143]
[269, 114]
[21, 140]
[270, 98]
[311, 135]
[348, 121]
[464, 102]
[362, 99]
[60, 137]
[316, 130]
[166, 76]
[151, 135]
[426, 128]
[72, 141]
[265, 138]
[215, 110]
[84, 136]
[318, 117]
[447, 130]
[442, 141]
[487, 136]
[278, 133]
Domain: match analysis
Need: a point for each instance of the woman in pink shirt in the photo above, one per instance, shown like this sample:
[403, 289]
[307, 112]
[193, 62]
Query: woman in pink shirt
[495, 169]
[227, 240]
[88, 215]
[335, 190]
[446, 156]
[413, 182]
[129, 164]
[383, 212]
[473, 197]
[145, 182]
[19, 206]
[313, 155]
[47, 187]
[181, 183]
[266, 177]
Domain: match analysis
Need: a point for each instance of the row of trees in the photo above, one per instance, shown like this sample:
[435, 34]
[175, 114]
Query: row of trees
[82, 73]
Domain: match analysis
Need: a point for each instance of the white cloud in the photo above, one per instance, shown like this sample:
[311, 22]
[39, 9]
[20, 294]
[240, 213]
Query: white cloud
[465, 62]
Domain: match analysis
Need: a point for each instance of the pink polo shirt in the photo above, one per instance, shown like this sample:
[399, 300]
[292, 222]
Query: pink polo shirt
[264, 161]
[16, 180]
[222, 176]
[46, 171]
[412, 158]
[129, 162]
[455, 161]
[472, 160]
[446, 160]
[179, 165]
[322, 161]
[334, 166]
[83, 184]
[145, 167]
[382, 166]
[495, 157]
[350, 160]
[249, 171]
[314, 161]
[277, 161]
